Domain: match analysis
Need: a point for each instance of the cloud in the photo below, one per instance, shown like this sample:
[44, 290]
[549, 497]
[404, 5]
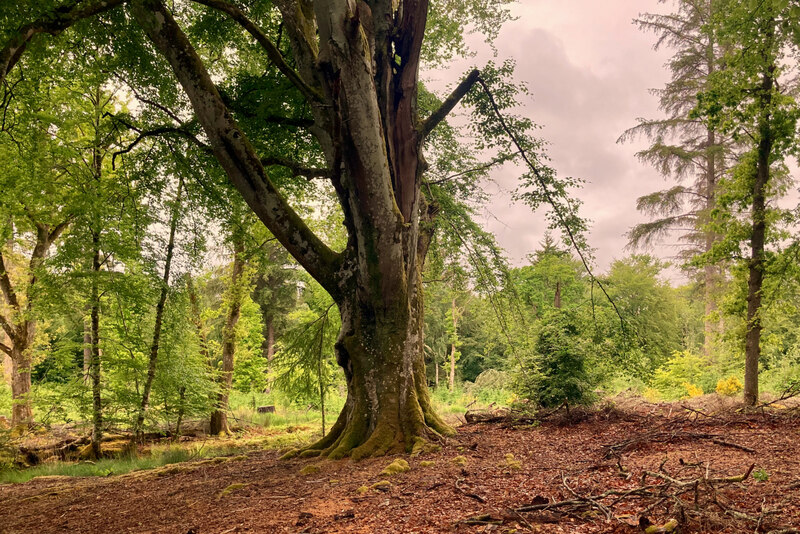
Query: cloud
[589, 70]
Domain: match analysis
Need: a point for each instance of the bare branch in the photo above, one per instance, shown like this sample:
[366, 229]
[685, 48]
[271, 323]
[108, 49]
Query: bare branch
[5, 348]
[447, 106]
[156, 132]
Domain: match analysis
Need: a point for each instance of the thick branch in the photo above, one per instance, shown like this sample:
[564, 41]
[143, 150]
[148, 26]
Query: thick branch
[5, 348]
[230, 145]
[447, 106]
[7, 327]
[272, 51]
[6, 286]
[53, 23]
[296, 168]
[56, 232]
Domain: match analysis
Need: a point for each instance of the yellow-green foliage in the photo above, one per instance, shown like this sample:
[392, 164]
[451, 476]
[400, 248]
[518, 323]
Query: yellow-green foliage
[682, 370]
[510, 462]
[729, 386]
[460, 460]
[651, 395]
[310, 469]
[692, 390]
[230, 489]
[427, 463]
[362, 490]
[396, 467]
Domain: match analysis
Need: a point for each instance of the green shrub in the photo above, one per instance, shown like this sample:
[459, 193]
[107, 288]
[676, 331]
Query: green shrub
[557, 372]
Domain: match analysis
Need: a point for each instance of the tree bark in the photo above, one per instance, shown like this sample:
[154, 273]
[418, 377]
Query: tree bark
[21, 410]
[452, 379]
[756, 264]
[219, 417]
[87, 347]
[94, 367]
[557, 298]
[160, 307]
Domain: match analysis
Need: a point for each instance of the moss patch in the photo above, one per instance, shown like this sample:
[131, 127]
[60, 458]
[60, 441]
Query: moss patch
[230, 489]
[460, 460]
[396, 467]
[427, 463]
[362, 490]
[510, 462]
[309, 470]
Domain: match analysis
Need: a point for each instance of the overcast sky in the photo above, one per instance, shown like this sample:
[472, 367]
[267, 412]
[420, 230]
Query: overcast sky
[589, 70]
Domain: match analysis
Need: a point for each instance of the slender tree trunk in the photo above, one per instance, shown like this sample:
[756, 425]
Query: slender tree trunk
[94, 367]
[7, 371]
[557, 298]
[181, 410]
[711, 272]
[160, 307]
[452, 379]
[269, 349]
[756, 263]
[87, 347]
[219, 417]
[436, 367]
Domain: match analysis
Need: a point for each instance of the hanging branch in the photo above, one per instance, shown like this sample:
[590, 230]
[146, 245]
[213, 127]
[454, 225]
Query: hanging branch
[546, 191]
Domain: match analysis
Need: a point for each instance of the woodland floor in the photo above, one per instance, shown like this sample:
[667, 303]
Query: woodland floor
[259, 493]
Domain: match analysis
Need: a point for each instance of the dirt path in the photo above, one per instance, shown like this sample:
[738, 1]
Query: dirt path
[267, 495]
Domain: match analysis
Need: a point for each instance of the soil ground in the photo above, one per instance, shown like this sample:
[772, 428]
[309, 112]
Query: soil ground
[558, 460]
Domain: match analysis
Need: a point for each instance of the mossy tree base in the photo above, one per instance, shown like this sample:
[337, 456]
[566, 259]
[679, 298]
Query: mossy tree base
[388, 409]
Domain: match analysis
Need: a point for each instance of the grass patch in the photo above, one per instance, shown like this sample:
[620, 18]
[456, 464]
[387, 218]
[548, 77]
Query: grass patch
[161, 455]
[101, 468]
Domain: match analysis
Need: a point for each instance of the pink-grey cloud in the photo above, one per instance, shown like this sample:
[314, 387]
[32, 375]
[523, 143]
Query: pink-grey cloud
[589, 70]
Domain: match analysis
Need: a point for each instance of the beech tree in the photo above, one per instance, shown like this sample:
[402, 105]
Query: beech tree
[36, 209]
[354, 69]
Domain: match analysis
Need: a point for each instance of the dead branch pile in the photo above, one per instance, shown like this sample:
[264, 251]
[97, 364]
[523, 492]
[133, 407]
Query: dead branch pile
[691, 496]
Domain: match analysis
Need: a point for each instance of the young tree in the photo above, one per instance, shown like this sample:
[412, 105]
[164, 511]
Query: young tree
[751, 98]
[160, 307]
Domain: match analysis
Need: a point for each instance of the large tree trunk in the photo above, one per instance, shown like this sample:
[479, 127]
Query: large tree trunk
[21, 411]
[388, 408]
[219, 417]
